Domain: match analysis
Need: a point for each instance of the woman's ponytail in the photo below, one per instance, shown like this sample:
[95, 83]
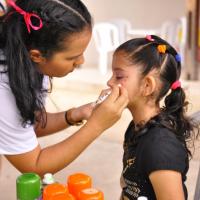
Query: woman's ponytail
[25, 81]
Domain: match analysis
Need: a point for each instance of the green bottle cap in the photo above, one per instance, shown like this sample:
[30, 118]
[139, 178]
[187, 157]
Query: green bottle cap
[28, 186]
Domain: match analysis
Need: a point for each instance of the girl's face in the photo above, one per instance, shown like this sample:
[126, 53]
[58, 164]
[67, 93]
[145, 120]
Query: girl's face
[127, 75]
[63, 62]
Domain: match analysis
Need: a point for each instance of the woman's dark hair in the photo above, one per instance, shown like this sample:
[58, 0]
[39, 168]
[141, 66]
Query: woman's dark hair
[61, 19]
[2, 7]
[144, 53]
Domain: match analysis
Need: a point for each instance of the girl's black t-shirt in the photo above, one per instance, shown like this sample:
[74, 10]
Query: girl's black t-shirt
[152, 149]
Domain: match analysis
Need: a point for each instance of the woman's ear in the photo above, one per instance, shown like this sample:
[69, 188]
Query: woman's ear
[36, 56]
[149, 85]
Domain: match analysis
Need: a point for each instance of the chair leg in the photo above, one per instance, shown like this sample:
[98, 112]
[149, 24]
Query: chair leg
[103, 62]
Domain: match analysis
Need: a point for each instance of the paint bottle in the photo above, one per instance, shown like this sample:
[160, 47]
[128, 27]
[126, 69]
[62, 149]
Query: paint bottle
[77, 182]
[63, 197]
[90, 194]
[142, 198]
[28, 187]
[51, 191]
[47, 180]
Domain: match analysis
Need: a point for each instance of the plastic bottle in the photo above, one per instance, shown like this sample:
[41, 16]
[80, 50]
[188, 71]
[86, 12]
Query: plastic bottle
[51, 191]
[63, 197]
[90, 194]
[142, 198]
[28, 187]
[77, 182]
[48, 179]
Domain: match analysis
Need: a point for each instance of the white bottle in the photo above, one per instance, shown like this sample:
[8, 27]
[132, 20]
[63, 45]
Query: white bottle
[48, 179]
[142, 198]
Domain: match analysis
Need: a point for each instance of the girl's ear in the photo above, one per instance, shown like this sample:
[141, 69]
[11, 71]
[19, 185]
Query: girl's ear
[36, 56]
[149, 85]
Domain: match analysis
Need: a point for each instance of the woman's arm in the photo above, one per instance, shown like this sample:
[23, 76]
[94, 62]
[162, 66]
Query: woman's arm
[167, 185]
[58, 156]
[57, 122]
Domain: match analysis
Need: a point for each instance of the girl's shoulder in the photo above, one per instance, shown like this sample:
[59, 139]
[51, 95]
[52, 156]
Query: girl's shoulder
[160, 132]
[159, 137]
[163, 150]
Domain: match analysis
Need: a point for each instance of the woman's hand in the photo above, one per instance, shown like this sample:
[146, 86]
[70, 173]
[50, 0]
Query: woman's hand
[80, 113]
[109, 111]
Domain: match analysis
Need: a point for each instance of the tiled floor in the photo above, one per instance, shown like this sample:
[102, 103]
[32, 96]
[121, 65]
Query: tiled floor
[102, 159]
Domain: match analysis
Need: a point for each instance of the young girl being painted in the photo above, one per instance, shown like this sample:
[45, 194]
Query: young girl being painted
[156, 157]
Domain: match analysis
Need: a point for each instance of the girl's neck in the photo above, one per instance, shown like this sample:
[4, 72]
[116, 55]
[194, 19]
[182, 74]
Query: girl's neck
[143, 113]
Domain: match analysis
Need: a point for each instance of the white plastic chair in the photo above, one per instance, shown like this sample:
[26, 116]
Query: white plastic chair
[175, 32]
[106, 37]
[124, 26]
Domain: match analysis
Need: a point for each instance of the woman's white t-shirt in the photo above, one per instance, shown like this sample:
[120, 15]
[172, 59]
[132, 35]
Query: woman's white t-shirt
[14, 138]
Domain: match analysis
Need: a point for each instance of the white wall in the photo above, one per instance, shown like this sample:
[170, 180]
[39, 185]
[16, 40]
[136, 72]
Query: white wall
[146, 14]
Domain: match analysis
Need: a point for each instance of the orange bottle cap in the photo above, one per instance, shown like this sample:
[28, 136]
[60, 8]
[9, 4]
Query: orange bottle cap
[62, 197]
[90, 194]
[54, 189]
[78, 182]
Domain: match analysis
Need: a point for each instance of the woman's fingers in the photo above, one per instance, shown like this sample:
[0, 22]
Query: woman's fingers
[122, 100]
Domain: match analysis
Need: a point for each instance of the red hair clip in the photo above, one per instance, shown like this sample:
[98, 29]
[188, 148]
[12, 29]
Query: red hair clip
[149, 38]
[162, 48]
[27, 16]
[175, 85]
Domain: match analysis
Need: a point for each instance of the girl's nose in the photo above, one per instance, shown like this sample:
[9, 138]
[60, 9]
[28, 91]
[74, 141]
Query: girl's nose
[80, 60]
[110, 82]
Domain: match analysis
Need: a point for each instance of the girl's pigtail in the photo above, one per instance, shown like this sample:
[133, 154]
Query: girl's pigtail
[175, 112]
[175, 102]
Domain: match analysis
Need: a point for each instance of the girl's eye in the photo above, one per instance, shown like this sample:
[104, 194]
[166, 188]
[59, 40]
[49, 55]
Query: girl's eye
[119, 77]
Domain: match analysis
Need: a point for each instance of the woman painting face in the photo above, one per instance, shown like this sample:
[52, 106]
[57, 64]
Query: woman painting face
[63, 62]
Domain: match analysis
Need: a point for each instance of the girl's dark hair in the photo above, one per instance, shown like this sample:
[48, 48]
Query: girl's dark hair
[144, 54]
[61, 19]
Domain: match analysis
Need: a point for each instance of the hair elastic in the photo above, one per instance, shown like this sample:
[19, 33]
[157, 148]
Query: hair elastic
[162, 48]
[175, 85]
[149, 38]
[27, 16]
[178, 57]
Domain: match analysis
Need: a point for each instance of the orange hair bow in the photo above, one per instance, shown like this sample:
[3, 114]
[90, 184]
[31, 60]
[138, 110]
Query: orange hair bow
[162, 48]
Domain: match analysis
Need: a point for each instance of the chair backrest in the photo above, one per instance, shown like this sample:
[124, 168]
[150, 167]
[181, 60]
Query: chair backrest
[124, 26]
[106, 37]
[175, 33]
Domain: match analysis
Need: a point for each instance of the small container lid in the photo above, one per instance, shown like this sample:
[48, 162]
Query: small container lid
[28, 186]
[54, 189]
[78, 182]
[142, 198]
[90, 194]
[48, 179]
[63, 197]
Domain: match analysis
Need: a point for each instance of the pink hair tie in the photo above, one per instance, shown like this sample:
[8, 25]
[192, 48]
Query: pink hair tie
[148, 37]
[27, 16]
[175, 85]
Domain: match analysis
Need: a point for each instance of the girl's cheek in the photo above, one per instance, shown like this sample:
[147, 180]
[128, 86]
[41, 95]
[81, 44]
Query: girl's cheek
[122, 82]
